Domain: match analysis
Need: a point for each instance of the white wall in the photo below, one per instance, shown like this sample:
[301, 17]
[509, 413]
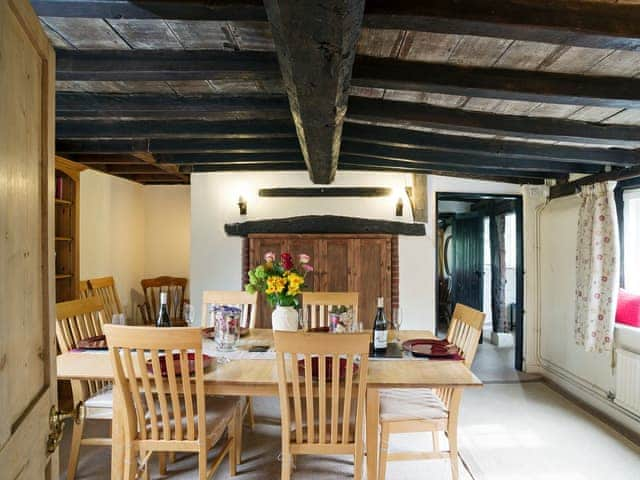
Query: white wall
[130, 231]
[112, 232]
[587, 375]
[216, 257]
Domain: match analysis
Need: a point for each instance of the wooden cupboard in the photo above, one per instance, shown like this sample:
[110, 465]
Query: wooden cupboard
[359, 263]
[67, 196]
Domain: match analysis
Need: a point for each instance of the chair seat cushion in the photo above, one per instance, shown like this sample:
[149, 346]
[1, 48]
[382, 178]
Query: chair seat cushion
[100, 405]
[397, 404]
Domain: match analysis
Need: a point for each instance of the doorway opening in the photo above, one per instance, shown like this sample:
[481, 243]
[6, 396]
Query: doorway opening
[479, 263]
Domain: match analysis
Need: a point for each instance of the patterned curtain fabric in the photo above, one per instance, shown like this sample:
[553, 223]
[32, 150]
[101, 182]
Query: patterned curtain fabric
[597, 268]
[497, 237]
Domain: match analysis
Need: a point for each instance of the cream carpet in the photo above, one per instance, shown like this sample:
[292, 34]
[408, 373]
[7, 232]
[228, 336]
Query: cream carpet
[507, 432]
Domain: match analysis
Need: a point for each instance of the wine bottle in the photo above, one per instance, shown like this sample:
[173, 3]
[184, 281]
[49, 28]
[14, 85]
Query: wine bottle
[380, 328]
[163, 316]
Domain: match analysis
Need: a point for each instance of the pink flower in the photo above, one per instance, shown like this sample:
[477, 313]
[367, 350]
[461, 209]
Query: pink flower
[287, 261]
[269, 257]
[304, 258]
[307, 268]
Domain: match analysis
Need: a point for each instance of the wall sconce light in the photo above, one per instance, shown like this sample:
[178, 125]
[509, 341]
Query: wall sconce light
[399, 207]
[242, 205]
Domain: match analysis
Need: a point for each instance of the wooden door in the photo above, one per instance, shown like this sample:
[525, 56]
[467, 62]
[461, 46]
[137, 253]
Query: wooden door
[258, 246]
[371, 275]
[27, 343]
[335, 264]
[468, 260]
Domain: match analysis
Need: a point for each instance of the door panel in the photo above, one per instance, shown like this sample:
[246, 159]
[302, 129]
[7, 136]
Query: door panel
[336, 269]
[468, 260]
[371, 276]
[257, 249]
[311, 246]
[27, 348]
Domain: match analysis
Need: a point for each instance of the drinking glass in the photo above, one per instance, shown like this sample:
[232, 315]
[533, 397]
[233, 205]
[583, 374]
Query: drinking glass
[187, 314]
[396, 319]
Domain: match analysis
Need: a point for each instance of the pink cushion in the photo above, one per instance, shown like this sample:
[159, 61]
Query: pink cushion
[628, 311]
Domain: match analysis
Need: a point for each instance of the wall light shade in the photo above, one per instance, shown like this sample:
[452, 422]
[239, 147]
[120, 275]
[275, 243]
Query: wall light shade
[399, 207]
[242, 205]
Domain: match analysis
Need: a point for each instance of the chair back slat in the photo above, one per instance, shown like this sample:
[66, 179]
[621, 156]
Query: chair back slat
[219, 297]
[77, 320]
[158, 401]
[465, 331]
[322, 405]
[83, 289]
[105, 288]
[175, 288]
[317, 306]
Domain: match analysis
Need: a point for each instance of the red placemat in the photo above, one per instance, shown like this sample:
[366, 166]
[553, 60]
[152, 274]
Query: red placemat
[191, 358]
[408, 344]
[315, 371]
[99, 342]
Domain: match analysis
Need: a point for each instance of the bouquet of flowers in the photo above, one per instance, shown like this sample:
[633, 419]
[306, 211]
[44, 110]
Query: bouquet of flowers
[280, 280]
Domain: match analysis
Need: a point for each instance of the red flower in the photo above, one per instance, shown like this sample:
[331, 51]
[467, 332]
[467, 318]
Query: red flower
[287, 261]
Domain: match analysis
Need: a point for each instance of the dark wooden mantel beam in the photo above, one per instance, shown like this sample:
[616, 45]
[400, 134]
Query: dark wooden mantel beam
[316, 45]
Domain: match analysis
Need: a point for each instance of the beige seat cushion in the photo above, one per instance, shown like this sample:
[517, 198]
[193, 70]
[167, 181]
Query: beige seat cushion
[100, 405]
[397, 404]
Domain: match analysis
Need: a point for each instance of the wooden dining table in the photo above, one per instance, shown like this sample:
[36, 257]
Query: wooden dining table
[257, 376]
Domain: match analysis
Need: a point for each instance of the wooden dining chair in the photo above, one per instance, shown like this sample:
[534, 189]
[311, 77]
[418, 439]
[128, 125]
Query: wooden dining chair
[322, 408]
[250, 302]
[77, 320]
[175, 288]
[83, 289]
[164, 411]
[429, 410]
[105, 288]
[317, 306]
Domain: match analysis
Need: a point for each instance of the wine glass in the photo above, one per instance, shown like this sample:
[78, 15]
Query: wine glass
[396, 319]
[187, 314]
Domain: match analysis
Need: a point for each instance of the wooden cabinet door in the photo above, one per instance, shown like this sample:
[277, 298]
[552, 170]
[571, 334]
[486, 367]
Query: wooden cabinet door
[297, 244]
[335, 264]
[371, 276]
[27, 296]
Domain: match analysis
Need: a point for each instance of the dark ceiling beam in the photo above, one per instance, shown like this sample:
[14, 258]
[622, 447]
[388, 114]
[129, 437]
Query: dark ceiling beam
[462, 159]
[230, 158]
[491, 147]
[570, 188]
[161, 65]
[150, 159]
[499, 83]
[566, 22]
[176, 145]
[424, 115]
[251, 167]
[316, 45]
[349, 159]
[220, 10]
[140, 105]
[106, 159]
[486, 175]
[163, 128]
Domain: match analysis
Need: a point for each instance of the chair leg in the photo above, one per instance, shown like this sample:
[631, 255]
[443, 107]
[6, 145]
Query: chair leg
[358, 460]
[162, 463]
[238, 439]
[435, 435]
[202, 464]
[232, 430]
[250, 417]
[145, 471]
[74, 453]
[130, 463]
[384, 451]
[453, 452]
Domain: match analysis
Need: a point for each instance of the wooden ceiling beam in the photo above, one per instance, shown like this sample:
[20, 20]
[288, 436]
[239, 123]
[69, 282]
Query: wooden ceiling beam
[590, 24]
[139, 105]
[316, 45]
[424, 115]
[219, 10]
[102, 159]
[499, 83]
[462, 159]
[492, 147]
[571, 188]
[231, 158]
[159, 65]
[164, 128]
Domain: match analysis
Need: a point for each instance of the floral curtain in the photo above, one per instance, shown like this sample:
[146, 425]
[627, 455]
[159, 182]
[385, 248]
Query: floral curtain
[597, 268]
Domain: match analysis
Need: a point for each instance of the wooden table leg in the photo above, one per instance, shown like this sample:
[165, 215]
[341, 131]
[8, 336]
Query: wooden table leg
[373, 420]
[117, 439]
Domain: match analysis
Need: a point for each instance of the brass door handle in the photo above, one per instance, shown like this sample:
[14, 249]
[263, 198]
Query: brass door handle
[56, 423]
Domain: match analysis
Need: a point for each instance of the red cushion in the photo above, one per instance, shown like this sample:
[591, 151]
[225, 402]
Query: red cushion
[628, 311]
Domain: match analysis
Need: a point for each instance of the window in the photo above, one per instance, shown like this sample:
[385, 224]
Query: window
[632, 240]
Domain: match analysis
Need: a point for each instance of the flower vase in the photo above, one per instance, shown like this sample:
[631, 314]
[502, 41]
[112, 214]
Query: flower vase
[284, 318]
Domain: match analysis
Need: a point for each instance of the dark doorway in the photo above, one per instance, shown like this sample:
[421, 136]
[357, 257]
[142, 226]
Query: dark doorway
[479, 263]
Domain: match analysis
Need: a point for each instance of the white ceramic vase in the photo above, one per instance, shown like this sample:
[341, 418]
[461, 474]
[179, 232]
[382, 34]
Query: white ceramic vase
[284, 318]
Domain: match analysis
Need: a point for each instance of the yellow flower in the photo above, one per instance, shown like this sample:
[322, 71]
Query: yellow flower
[275, 285]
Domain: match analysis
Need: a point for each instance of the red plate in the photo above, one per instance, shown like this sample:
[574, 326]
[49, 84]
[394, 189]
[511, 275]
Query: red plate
[191, 358]
[407, 345]
[98, 342]
[434, 350]
[315, 372]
